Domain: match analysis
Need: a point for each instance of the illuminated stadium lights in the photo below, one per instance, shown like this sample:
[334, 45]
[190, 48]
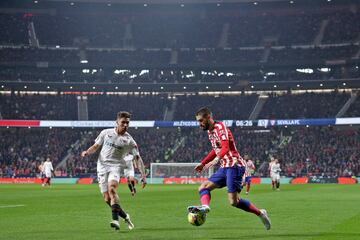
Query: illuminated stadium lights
[207, 87]
[29, 127]
[344, 84]
[143, 72]
[50, 127]
[86, 70]
[324, 69]
[84, 61]
[305, 70]
[252, 86]
[218, 4]
[298, 85]
[145, 5]
[139, 87]
[57, 46]
[72, 4]
[182, 5]
[109, 4]
[133, 76]
[48, 87]
[116, 87]
[275, 86]
[229, 87]
[255, 3]
[35, 2]
[161, 87]
[184, 87]
[93, 87]
[2, 86]
[291, 2]
[71, 87]
[321, 84]
[25, 86]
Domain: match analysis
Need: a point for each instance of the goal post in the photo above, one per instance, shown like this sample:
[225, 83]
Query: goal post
[177, 170]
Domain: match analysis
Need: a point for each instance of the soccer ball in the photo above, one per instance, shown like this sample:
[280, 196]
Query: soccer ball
[197, 219]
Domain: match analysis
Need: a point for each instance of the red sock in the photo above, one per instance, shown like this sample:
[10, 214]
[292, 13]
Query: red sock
[248, 206]
[247, 188]
[205, 196]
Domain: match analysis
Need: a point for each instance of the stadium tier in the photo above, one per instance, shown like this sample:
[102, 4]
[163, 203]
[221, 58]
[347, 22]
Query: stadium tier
[318, 151]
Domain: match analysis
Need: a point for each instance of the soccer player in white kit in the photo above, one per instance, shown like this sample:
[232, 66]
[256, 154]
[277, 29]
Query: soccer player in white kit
[115, 144]
[129, 173]
[47, 170]
[275, 174]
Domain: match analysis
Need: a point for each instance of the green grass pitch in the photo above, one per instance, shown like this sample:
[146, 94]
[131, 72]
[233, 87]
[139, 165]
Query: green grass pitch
[159, 212]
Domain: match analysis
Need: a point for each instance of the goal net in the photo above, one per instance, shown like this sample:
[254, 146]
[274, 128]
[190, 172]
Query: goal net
[183, 172]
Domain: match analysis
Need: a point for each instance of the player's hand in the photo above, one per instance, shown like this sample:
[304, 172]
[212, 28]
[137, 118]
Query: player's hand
[84, 154]
[143, 182]
[212, 163]
[199, 167]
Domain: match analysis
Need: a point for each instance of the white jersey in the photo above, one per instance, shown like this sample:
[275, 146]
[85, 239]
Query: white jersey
[115, 147]
[47, 168]
[129, 161]
[275, 168]
[250, 168]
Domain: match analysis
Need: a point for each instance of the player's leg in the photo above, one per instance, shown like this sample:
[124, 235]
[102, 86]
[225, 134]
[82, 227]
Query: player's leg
[273, 181]
[278, 182]
[248, 184]
[131, 181]
[113, 183]
[233, 181]
[217, 180]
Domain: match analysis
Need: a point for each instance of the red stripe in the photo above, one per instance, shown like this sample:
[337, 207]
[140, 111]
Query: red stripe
[20, 123]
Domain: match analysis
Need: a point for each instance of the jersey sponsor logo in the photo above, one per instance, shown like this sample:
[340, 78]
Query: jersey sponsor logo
[110, 144]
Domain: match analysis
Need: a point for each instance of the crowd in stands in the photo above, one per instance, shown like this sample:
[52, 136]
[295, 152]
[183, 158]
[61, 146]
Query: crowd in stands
[307, 105]
[38, 107]
[241, 106]
[23, 150]
[143, 107]
[354, 110]
[158, 106]
[314, 151]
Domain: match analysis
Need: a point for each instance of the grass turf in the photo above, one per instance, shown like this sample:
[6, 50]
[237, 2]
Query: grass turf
[159, 212]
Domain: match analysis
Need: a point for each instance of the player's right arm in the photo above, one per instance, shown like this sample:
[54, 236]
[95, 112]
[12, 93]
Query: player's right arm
[98, 143]
[206, 160]
[90, 150]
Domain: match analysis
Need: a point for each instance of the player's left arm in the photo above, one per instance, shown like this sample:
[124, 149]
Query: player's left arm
[139, 162]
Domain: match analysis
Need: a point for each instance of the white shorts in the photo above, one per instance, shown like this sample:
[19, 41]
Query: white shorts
[107, 174]
[129, 170]
[275, 176]
[47, 174]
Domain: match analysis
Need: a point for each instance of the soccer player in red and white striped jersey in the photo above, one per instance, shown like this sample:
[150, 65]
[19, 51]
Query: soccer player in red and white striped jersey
[231, 171]
[250, 169]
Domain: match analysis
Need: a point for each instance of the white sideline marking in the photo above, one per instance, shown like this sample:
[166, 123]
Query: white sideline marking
[11, 206]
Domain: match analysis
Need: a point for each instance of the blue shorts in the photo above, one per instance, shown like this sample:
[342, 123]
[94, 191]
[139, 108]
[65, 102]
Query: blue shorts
[248, 180]
[230, 177]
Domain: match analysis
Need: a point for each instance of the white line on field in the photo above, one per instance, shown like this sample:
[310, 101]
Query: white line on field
[11, 206]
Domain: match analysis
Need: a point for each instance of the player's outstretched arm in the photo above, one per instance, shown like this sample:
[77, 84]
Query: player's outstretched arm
[90, 150]
[206, 160]
[140, 165]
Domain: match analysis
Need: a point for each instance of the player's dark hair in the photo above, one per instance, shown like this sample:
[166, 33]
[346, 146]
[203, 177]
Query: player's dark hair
[123, 115]
[204, 111]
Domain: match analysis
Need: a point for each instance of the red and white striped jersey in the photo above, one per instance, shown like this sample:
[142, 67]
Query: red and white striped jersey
[250, 167]
[222, 133]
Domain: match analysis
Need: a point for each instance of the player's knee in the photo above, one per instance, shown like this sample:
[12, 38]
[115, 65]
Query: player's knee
[112, 190]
